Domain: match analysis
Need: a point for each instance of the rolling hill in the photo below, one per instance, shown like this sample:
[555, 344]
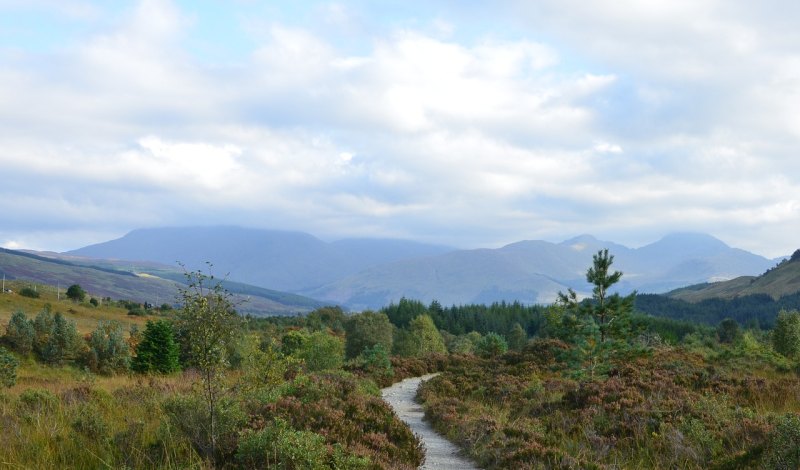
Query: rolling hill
[161, 287]
[780, 281]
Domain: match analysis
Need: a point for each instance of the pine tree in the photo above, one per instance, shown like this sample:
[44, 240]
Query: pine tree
[157, 352]
[19, 333]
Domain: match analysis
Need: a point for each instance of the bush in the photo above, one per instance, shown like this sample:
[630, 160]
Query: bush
[29, 292]
[322, 352]
[76, 293]
[189, 414]
[88, 421]
[8, 368]
[783, 444]
[108, 350]
[491, 345]
[281, 446]
[366, 330]
[38, 400]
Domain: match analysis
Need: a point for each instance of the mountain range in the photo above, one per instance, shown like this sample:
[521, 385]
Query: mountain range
[103, 278]
[370, 273]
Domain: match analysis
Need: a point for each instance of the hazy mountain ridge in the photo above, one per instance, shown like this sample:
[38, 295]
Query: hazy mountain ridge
[281, 260]
[370, 273]
[107, 280]
[534, 271]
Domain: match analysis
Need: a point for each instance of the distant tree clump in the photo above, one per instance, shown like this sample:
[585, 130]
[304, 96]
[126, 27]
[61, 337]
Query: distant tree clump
[322, 352]
[29, 292]
[421, 338]
[728, 331]
[157, 352]
[786, 335]
[491, 345]
[517, 337]
[365, 330]
[76, 293]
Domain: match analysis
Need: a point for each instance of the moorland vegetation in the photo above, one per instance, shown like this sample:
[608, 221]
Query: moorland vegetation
[580, 384]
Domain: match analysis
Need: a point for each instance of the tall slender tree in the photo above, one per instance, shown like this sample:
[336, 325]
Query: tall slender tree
[208, 323]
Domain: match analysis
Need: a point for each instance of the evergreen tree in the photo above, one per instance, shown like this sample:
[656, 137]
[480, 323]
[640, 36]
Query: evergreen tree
[63, 343]
[8, 368]
[611, 312]
[157, 352]
[42, 329]
[19, 333]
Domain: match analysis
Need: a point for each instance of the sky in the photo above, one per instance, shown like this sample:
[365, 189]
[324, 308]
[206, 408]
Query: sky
[465, 123]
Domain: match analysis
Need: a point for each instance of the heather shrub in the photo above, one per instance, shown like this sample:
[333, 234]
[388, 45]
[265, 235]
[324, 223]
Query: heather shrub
[783, 444]
[189, 414]
[38, 400]
[88, 421]
[278, 445]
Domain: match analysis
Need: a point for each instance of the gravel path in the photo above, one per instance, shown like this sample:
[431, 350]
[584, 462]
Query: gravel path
[440, 454]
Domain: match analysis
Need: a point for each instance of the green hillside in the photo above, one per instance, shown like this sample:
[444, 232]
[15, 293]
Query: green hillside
[780, 281]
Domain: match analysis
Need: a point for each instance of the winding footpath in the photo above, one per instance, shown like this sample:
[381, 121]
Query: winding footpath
[440, 454]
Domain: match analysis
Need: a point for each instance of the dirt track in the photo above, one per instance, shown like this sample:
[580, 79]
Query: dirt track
[440, 453]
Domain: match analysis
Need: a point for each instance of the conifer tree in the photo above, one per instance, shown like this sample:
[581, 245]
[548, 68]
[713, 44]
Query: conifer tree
[19, 333]
[157, 352]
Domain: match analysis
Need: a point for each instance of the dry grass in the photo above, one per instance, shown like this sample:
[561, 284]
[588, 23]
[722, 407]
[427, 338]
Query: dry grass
[84, 314]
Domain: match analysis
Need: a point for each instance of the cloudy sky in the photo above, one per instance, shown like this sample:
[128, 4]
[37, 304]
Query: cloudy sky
[459, 122]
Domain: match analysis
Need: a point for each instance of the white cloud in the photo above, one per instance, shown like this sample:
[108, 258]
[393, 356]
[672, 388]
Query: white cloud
[605, 117]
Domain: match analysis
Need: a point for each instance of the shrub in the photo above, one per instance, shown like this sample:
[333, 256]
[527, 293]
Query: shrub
[87, 420]
[283, 447]
[108, 350]
[322, 351]
[76, 293]
[8, 368]
[491, 345]
[38, 400]
[94, 302]
[365, 330]
[190, 415]
[29, 292]
[783, 444]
